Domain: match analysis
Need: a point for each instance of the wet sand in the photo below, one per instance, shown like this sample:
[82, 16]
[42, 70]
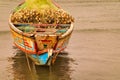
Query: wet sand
[93, 51]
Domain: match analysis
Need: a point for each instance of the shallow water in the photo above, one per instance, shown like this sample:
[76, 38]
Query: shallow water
[93, 51]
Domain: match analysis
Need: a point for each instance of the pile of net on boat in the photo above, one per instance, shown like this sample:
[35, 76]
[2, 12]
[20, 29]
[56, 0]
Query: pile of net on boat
[40, 12]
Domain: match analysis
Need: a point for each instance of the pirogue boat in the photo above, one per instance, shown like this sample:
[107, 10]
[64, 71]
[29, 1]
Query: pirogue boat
[44, 43]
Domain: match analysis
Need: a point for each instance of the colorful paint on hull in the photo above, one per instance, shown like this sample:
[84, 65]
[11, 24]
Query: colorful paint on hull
[62, 43]
[42, 50]
[24, 43]
[40, 59]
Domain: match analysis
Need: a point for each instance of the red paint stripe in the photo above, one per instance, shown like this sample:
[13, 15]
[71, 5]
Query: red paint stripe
[26, 51]
[42, 51]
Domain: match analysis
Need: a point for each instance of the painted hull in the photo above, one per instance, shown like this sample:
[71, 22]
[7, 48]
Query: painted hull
[41, 49]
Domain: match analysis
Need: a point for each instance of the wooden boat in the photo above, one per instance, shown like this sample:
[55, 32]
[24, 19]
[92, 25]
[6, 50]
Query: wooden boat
[43, 45]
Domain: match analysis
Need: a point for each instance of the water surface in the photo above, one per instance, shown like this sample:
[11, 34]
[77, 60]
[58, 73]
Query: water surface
[93, 51]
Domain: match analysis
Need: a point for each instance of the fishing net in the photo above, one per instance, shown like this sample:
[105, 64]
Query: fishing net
[42, 12]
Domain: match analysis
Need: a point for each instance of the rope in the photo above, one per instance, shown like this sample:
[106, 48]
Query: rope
[26, 55]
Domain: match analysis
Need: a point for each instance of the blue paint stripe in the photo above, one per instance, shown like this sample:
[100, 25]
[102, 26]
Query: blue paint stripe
[42, 58]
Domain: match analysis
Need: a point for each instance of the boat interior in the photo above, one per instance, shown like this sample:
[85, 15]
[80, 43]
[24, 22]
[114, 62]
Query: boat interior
[57, 29]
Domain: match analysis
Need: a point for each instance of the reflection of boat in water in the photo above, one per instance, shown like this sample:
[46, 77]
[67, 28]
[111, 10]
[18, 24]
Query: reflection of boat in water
[45, 43]
[60, 70]
[20, 67]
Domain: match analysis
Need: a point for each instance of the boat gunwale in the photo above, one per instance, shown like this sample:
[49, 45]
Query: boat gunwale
[12, 26]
